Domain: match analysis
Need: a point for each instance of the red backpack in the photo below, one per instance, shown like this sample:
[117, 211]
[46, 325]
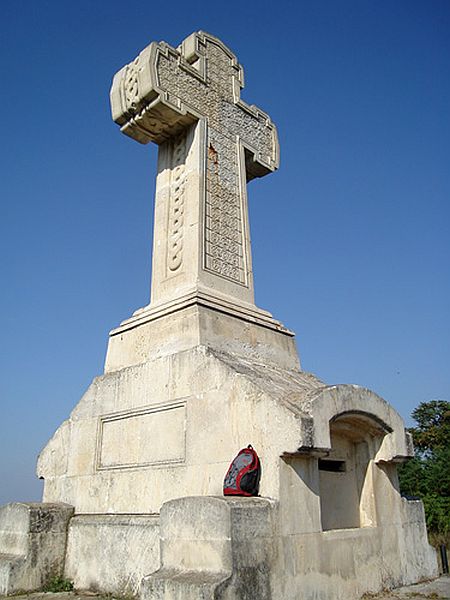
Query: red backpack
[242, 478]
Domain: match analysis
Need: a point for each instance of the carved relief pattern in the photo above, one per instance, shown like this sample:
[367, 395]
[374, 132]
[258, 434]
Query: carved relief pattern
[225, 247]
[176, 205]
[131, 83]
[254, 133]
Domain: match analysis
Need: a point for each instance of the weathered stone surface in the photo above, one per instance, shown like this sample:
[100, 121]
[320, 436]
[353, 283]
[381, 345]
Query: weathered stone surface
[219, 403]
[153, 333]
[213, 548]
[112, 553]
[32, 544]
[226, 403]
[232, 548]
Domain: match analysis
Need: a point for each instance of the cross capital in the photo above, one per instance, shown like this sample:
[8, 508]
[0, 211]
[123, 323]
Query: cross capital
[165, 89]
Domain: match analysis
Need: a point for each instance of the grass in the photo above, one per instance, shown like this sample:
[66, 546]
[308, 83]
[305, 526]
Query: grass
[58, 584]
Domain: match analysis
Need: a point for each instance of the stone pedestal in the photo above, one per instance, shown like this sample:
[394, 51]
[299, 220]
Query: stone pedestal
[201, 320]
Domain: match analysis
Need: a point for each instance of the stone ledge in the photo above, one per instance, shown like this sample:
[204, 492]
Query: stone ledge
[223, 304]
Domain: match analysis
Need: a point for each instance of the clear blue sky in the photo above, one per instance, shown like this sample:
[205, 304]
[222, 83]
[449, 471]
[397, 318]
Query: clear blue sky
[350, 236]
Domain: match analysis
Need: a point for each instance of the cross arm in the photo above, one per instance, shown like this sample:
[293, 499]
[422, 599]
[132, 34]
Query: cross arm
[259, 140]
[144, 110]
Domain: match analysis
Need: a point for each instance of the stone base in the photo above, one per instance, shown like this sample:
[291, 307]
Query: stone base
[168, 428]
[200, 319]
[146, 434]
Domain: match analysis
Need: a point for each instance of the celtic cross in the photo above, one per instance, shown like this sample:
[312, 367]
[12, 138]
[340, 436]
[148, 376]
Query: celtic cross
[187, 100]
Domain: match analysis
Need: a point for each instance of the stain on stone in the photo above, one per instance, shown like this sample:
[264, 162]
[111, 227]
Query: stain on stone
[213, 162]
[41, 520]
[253, 583]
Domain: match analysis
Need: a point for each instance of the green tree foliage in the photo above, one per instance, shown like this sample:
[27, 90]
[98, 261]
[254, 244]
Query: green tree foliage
[427, 476]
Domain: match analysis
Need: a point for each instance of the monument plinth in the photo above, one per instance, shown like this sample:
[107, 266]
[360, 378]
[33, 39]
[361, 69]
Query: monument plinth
[200, 373]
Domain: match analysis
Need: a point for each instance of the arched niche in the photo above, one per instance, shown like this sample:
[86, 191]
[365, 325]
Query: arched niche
[346, 488]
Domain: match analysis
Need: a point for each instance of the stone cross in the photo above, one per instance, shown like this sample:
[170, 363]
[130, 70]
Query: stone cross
[187, 100]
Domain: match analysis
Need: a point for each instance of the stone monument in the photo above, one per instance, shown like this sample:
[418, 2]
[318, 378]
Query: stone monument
[201, 372]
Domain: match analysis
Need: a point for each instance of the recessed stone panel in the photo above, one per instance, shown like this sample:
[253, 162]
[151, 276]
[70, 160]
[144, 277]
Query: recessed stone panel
[151, 436]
